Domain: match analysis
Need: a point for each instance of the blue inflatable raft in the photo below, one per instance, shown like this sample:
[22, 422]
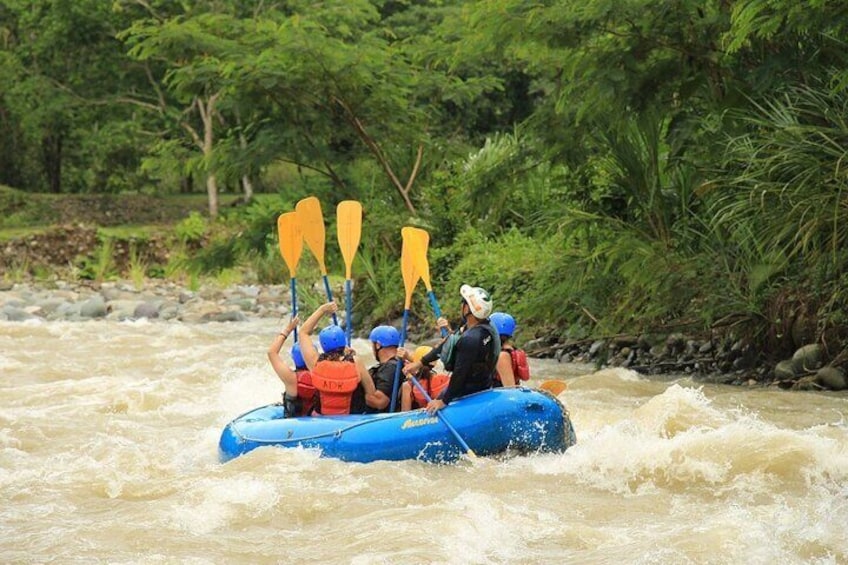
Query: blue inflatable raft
[491, 422]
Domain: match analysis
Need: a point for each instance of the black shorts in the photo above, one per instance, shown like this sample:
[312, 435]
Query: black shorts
[292, 405]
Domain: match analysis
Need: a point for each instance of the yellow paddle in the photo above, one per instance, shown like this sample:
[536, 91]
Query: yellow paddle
[411, 246]
[291, 247]
[349, 227]
[420, 240]
[312, 223]
[554, 387]
[410, 279]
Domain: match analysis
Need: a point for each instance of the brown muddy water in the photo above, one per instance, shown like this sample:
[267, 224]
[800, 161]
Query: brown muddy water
[108, 454]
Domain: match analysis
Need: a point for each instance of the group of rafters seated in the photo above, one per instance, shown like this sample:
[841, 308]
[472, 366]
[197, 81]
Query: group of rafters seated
[336, 381]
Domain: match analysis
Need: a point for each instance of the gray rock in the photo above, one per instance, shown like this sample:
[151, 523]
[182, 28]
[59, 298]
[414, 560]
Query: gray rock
[169, 311]
[94, 307]
[245, 304]
[784, 370]
[149, 309]
[14, 313]
[122, 309]
[807, 358]
[228, 316]
[249, 290]
[832, 378]
[65, 311]
[596, 347]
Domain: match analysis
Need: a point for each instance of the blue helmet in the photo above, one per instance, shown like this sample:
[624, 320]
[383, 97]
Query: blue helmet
[332, 338]
[503, 323]
[297, 357]
[386, 336]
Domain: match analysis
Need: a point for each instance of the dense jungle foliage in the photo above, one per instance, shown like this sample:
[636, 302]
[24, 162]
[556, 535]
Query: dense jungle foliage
[599, 166]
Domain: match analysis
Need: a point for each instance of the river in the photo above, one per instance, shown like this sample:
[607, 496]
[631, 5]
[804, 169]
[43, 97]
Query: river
[109, 430]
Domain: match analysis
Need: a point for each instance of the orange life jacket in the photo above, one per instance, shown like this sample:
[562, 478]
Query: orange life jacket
[335, 382]
[305, 392]
[433, 385]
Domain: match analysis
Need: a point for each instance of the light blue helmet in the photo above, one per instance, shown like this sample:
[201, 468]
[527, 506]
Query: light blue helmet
[503, 323]
[332, 338]
[297, 357]
[386, 336]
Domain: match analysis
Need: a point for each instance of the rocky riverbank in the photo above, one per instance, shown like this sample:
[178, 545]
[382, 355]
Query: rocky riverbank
[717, 361]
[156, 300]
[729, 362]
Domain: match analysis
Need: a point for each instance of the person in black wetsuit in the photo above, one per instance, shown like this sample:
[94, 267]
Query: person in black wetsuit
[472, 356]
[384, 343]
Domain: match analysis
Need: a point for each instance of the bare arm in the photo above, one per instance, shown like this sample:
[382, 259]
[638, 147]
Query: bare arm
[504, 368]
[307, 348]
[365, 378]
[286, 375]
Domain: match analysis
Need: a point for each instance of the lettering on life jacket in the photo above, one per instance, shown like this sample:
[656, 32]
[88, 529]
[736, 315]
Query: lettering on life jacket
[335, 382]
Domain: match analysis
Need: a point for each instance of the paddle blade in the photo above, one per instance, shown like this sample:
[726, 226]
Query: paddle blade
[291, 240]
[312, 224]
[407, 265]
[554, 387]
[420, 240]
[349, 226]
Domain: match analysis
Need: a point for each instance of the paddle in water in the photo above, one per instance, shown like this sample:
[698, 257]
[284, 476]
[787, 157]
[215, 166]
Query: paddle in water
[349, 228]
[312, 224]
[554, 387]
[291, 246]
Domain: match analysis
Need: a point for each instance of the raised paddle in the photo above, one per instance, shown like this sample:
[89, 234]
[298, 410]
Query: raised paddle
[410, 279]
[291, 246]
[420, 240]
[554, 387]
[312, 223]
[349, 227]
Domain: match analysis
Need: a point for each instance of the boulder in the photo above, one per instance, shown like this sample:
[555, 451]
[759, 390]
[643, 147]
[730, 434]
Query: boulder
[807, 358]
[832, 378]
[784, 370]
[94, 307]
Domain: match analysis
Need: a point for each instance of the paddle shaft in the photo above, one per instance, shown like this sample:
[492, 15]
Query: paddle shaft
[396, 383]
[330, 297]
[294, 303]
[441, 416]
[436, 310]
[348, 312]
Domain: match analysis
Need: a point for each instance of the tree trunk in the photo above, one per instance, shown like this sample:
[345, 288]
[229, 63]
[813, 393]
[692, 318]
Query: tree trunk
[247, 187]
[212, 192]
[246, 183]
[187, 184]
[207, 115]
[51, 149]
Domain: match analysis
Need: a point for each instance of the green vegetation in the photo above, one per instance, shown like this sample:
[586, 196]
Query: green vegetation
[601, 167]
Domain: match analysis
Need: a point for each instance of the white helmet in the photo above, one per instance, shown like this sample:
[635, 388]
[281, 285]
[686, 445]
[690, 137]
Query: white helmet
[478, 301]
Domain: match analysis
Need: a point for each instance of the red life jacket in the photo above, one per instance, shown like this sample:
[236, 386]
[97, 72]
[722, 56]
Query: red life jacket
[305, 391]
[433, 385]
[335, 382]
[520, 367]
